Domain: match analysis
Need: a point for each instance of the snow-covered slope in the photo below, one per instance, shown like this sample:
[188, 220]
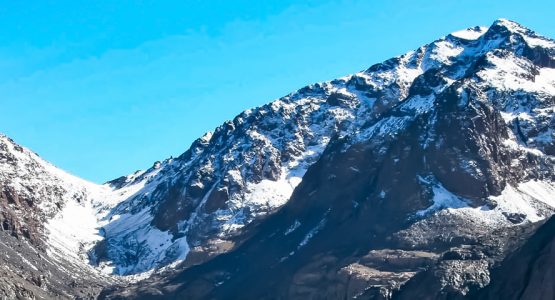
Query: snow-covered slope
[66, 211]
[54, 218]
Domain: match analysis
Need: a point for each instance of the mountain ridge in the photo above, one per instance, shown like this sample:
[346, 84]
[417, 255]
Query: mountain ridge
[464, 123]
[488, 180]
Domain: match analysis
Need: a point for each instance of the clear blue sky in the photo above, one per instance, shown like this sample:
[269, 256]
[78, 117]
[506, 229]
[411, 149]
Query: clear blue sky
[103, 88]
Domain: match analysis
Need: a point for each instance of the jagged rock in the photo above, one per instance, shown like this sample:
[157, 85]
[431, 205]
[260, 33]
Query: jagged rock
[528, 272]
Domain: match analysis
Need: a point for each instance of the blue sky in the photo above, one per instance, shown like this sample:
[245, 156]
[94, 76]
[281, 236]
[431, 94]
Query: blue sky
[103, 88]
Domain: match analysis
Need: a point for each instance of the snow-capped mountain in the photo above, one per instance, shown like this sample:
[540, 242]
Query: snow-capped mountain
[441, 159]
[249, 167]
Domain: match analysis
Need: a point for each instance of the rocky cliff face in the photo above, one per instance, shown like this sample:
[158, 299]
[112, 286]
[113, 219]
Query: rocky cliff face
[427, 169]
[528, 272]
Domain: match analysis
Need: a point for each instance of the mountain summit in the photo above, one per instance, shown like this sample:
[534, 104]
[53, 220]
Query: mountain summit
[415, 177]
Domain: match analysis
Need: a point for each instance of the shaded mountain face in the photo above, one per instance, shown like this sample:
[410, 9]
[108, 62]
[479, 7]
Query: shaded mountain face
[527, 273]
[426, 169]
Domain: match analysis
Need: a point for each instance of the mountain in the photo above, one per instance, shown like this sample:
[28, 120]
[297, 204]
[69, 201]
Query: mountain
[48, 222]
[427, 170]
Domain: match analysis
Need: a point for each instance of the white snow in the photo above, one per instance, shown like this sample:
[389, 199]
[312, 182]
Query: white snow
[267, 195]
[73, 231]
[403, 74]
[155, 244]
[441, 53]
[387, 126]
[546, 79]
[470, 33]
[531, 39]
[523, 199]
[312, 233]
[419, 104]
[510, 73]
[539, 42]
[539, 190]
[271, 193]
[511, 143]
[442, 199]
[292, 227]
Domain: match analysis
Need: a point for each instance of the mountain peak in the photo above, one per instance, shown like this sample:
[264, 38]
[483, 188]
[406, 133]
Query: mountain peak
[506, 29]
[499, 26]
[514, 33]
[509, 25]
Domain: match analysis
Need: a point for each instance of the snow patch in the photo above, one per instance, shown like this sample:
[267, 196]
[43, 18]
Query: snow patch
[442, 199]
[312, 233]
[73, 231]
[292, 227]
[510, 73]
[525, 200]
[471, 33]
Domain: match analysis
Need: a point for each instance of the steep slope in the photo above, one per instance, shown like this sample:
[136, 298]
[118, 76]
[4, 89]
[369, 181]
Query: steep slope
[527, 273]
[445, 161]
[49, 223]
